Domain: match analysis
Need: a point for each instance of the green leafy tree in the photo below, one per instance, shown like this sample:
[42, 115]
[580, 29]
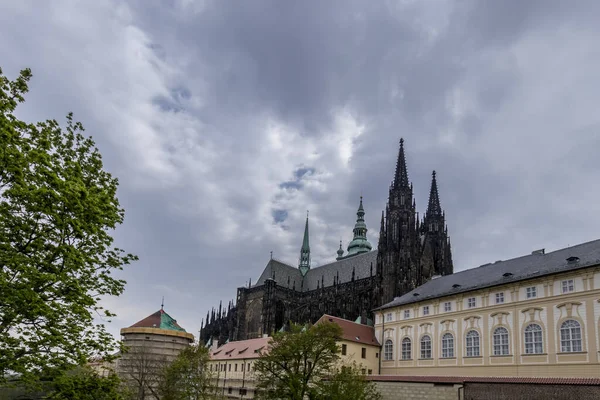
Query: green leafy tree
[297, 361]
[188, 377]
[82, 383]
[347, 382]
[58, 207]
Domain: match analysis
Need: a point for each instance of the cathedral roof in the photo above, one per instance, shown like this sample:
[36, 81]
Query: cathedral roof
[159, 320]
[531, 266]
[342, 270]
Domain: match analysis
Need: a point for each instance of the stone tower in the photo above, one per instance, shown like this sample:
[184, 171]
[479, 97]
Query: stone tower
[150, 344]
[409, 253]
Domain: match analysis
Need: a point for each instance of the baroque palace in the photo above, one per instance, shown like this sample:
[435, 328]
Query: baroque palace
[409, 253]
[535, 315]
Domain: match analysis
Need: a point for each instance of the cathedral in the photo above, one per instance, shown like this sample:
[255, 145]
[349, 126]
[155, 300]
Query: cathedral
[410, 251]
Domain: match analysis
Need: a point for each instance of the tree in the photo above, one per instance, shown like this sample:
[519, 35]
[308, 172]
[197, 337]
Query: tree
[347, 383]
[297, 361]
[188, 377]
[82, 383]
[57, 210]
[142, 371]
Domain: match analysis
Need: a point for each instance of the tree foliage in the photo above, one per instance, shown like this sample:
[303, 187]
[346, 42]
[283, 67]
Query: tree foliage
[82, 383]
[188, 377]
[58, 207]
[347, 382]
[297, 361]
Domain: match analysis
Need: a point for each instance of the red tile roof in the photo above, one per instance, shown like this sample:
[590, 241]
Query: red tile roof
[353, 331]
[488, 379]
[241, 349]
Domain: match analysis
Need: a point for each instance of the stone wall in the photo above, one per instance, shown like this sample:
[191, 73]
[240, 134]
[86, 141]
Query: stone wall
[515, 391]
[418, 390]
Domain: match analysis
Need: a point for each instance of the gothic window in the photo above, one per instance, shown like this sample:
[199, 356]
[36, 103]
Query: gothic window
[570, 336]
[395, 231]
[426, 347]
[472, 344]
[401, 199]
[388, 350]
[406, 348]
[500, 339]
[533, 339]
[447, 345]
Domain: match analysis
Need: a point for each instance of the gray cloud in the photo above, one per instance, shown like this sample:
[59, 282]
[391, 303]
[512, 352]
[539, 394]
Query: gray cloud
[226, 123]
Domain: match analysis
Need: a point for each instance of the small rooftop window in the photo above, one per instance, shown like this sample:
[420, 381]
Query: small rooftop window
[507, 274]
[456, 286]
[572, 259]
[415, 294]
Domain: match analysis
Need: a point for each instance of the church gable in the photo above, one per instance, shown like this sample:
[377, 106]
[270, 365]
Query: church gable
[281, 273]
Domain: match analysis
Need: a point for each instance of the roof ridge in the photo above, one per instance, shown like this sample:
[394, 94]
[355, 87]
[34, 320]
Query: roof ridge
[347, 258]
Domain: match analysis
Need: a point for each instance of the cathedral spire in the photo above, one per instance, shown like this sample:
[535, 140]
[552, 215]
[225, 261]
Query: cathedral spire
[340, 252]
[304, 263]
[359, 243]
[401, 176]
[382, 231]
[434, 209]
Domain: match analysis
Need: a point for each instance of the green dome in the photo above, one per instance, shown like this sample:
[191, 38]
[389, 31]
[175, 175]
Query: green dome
[359, 243]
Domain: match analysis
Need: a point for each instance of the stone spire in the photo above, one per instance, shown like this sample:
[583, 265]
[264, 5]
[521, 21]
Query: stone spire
[359, 244]
[304, 263]
[340, 252]
[434, 209]
[401, 176]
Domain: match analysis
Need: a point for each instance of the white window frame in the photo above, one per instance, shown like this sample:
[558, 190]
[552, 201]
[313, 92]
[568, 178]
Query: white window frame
[406, 348]
[501, 341]
[425, 310]
[448, 306]
[406, 314]
[471, 302]
[426, 348]
[571, 339]
[388, 350]
[568, 286]
[388, 317]
[472, 344]
[534, 339]
[448, 345]
[531, 292]
[500, 298]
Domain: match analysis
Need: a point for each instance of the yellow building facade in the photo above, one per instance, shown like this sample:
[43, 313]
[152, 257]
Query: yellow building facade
[537, 315]
[358, 344]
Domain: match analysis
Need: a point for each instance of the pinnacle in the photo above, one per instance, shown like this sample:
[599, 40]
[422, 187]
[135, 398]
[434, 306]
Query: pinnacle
[401, 176]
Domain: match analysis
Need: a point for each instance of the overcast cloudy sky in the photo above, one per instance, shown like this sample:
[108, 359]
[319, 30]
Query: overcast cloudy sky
[226, 120]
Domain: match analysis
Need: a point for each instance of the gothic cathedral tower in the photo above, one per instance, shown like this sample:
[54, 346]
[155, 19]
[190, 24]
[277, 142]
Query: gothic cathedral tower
[410, 253]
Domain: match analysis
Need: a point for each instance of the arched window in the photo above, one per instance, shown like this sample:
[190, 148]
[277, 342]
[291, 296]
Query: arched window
[533, 339]
[426, 347]
[472, 344]
[447, 345]
[501, 341]
[388, 350]
[406, 348]
[570, 336]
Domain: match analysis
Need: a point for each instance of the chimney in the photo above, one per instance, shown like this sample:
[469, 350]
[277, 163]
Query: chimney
[539, 252]
[215, 344]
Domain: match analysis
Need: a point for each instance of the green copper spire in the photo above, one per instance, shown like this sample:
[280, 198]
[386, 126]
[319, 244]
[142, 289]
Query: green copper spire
[304, 263]
[340, 252]
[359, 244]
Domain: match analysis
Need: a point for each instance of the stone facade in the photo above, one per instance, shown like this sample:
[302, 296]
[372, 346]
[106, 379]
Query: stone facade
[410, 252]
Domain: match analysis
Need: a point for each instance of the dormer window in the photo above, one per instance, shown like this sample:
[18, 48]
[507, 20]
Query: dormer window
[455, 286]
[507, 274]
[572, 259]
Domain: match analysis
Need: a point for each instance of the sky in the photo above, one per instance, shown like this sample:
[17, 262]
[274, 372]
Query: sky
[226, 121]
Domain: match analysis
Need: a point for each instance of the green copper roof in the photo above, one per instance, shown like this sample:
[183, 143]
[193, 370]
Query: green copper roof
[359, 243]
[160, 320]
